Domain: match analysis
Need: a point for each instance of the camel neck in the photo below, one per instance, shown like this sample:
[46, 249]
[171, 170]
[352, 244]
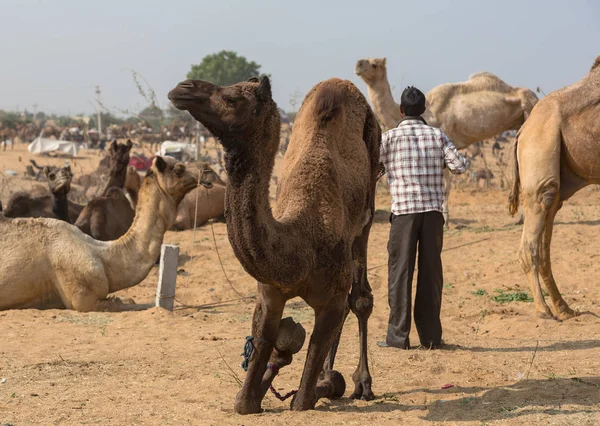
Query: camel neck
[60, 206]
[116, 179]
[267, 249]
[130, 258]
[386, 109]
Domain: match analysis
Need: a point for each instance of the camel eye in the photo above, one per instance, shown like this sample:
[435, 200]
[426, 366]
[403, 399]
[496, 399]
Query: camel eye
[51, 176]
[374, 65]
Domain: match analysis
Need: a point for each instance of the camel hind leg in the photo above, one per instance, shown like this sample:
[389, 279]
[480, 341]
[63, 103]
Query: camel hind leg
[561, 308]
[535, 224]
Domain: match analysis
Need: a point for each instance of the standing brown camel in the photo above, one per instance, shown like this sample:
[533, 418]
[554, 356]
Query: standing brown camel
[313, 243]
[557, 152]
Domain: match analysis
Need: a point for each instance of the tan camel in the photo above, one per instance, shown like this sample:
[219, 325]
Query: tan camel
[557, 152]
[313, 243]
[205, 203]
[468, 112]
[53, 205]
[66, 268]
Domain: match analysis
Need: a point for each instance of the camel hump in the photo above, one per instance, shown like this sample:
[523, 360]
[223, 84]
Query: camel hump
[329, 100]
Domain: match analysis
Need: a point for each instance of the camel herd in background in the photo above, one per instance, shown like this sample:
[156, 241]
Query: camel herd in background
[313, 242]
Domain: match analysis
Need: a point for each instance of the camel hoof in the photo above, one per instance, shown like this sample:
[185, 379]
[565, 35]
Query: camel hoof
[302, 404]
[566, 313]
[364, 396]
[332, 385]
[247, 407]
[290, 337]
[544, 315]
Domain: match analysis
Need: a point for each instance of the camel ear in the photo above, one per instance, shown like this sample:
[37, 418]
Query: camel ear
[68, 168]
[46, 171]
[160, 164]
[383, 61]
[264, 89]
[129, 144]
[113, 146]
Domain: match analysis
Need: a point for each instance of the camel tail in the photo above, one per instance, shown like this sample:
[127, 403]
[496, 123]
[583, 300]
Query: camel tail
[513, 198]
[329, 101]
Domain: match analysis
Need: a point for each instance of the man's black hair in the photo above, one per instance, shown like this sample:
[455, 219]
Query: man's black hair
[412, 102]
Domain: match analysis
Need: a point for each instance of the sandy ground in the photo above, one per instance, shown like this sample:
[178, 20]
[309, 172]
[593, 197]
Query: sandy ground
[161, 368]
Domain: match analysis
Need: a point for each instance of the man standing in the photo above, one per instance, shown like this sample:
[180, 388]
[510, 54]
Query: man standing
[414, 156]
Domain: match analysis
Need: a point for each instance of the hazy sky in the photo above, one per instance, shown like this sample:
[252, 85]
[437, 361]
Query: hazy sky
[54, 52]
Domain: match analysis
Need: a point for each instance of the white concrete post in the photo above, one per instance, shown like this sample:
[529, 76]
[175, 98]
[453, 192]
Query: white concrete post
[167, 275]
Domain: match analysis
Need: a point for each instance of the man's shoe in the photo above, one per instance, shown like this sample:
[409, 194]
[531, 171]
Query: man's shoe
[384, 344]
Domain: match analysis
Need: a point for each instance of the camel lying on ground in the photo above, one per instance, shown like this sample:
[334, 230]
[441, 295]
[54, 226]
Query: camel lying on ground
[205, 203]
[66, 268]
[53, 205]
[468, 112]
[109, 216]
[313, 244]
[557, 152]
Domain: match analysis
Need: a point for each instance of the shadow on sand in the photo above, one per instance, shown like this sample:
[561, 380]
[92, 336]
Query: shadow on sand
[524, 397]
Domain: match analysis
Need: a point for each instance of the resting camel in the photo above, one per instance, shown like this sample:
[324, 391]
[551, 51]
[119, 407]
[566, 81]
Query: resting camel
[54, 205]
[66, 268]
[468, 112]
[205, 203]
[313, 243]
[557, 152]
[109, 216]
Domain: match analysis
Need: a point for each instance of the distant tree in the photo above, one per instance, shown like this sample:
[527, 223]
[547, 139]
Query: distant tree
[153, 115]
[224, 68]
[9, 119]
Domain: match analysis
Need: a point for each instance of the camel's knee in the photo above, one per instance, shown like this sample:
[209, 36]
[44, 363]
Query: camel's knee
[361, 304]
[549, 195]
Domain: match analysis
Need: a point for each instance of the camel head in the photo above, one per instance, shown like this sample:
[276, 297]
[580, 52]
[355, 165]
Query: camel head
[59, 179]
[174, 179]
[119, 154]
[371, 70]
[528, 101]
[232, 113]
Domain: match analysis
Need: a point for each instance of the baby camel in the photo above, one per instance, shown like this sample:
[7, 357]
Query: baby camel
[66, 268]
[313, 244]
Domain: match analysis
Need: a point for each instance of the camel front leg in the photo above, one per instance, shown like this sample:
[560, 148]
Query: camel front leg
[447, 187]
[529, 253]
[561, 308]
[328, 322]
[265, 326]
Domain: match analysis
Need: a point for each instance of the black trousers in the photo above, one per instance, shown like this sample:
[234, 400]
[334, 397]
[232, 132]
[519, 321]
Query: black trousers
[425, 231]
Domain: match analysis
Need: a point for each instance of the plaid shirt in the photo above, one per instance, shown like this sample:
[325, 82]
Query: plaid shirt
[414, 156]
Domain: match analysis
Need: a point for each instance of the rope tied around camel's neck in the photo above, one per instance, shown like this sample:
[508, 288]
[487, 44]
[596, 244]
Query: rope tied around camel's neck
[247, 354]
